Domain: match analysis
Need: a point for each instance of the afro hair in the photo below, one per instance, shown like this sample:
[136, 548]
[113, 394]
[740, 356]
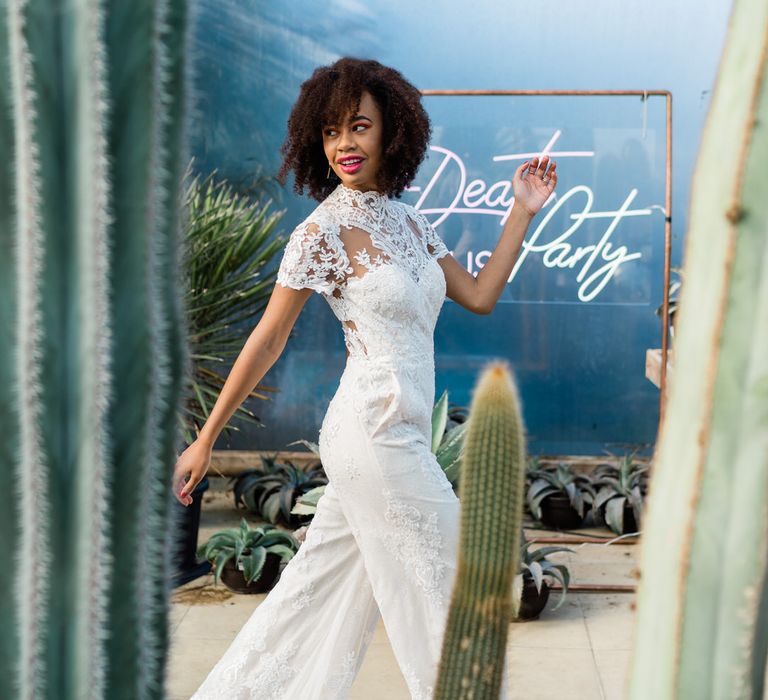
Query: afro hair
[326, 96]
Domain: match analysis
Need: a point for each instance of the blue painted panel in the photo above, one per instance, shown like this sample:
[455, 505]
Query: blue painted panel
[574, 322]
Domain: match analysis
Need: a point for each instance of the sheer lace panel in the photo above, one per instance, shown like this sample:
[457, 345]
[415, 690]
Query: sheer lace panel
[314, 257]
[361, 252]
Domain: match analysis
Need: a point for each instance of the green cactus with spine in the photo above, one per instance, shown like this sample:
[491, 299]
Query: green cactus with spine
[702, 607]
[93, 113]
[492, 494]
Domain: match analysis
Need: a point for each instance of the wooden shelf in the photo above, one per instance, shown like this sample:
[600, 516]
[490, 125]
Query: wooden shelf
[653, 365]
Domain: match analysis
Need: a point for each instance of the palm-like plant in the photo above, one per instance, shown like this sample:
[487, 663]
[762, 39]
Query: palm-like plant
[619, 488]
[229, 245]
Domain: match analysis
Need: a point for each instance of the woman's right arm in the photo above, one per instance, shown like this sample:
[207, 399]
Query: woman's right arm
[262, 349]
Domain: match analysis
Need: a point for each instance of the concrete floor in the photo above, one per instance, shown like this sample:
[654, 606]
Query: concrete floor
[579, 652]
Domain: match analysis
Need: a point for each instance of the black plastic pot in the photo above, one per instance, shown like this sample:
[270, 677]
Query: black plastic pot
[630, 524]
[185, 562]
[532, 601]
[234, 579]
[557, 512]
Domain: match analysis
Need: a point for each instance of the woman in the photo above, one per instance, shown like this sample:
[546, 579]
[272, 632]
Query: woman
[385, 535]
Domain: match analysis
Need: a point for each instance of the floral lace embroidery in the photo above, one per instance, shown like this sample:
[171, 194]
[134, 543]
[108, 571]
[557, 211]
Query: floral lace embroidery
[267, 680]
[363, 258]
[433, 472]
[343, 678]
[413, 682]
[416, 542]
[299, 569]
[377, 313]
[352, 467]
[304, 597]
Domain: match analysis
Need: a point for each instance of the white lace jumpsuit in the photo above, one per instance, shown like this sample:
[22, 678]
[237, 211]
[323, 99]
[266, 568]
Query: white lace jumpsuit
[385, 535]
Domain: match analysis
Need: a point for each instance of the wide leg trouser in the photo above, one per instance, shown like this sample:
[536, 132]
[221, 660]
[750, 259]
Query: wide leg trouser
[383, 542]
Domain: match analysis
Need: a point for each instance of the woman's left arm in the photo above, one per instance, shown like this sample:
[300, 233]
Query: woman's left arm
[532, 187]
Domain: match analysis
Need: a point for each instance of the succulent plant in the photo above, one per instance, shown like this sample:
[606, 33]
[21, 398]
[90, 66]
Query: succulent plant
[248, 547]
[535, 565]
[617, 487]
[550, 481]
[272, 491]
[449, 429]
[306, 504]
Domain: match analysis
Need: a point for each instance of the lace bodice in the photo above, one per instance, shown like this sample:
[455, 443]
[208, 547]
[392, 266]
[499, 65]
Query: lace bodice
[374, 260]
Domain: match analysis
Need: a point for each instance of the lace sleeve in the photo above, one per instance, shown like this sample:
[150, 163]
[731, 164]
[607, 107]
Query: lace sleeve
[435, 246]
[314, 257]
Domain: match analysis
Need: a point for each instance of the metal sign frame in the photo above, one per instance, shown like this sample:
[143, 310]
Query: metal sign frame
[645, 94]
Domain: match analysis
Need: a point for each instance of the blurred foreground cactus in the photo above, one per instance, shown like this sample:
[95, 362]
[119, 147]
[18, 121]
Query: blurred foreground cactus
[93, 105]
[492, 494]
[702, 627]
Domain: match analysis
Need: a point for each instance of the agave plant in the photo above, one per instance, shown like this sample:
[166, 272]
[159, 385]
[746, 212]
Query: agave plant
[248, 547]
[536, 566]
[548, 481]
[229, 245]
[449, 426]
[618, 490]
[272, 491]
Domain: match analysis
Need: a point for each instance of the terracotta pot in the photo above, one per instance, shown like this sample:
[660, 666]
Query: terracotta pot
[234, 579]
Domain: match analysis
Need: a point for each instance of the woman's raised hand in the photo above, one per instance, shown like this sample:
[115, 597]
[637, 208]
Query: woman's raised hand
[533, 182]
[193, 462]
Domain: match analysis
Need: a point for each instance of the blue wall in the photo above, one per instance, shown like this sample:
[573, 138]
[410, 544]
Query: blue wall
[577, 344]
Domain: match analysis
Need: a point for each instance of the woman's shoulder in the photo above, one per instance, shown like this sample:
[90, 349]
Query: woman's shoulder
[320, 220]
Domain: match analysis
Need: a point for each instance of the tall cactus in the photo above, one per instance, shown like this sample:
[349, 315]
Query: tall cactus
[702, 625]
[491, 491]
[93, 98]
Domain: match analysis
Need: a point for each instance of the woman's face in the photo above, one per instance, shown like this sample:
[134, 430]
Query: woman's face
[353, 148]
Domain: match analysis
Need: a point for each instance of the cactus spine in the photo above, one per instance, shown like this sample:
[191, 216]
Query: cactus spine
[702, 626]
[92, 136]
[491, 492]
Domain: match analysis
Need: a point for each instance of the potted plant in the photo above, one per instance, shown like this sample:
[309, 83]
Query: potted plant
[247, 560]
[272, 491]
[558, 497]
[531, 589]
[620, 494]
